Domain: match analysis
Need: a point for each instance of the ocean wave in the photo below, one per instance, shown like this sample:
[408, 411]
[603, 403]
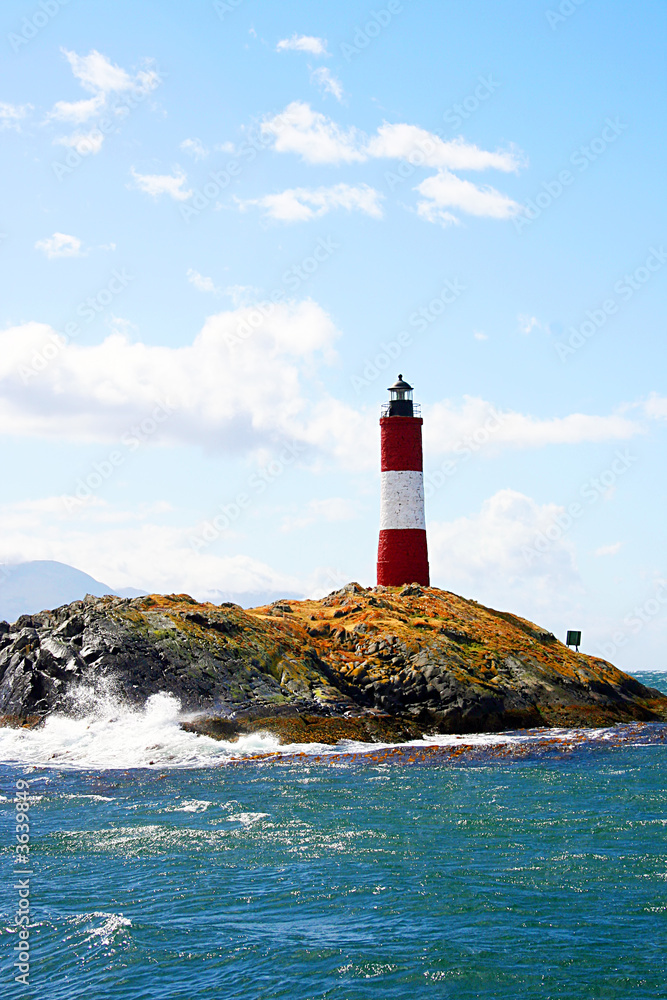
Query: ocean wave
[190, 805]
[246, 818]
[108, 735]
[93, 798]
[113, 926]
[112, 736]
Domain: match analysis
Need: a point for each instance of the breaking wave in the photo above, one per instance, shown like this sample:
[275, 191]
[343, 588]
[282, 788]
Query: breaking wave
[105, 734]
[112, 736]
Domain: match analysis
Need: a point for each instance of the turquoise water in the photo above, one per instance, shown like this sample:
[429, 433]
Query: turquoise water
[541, 873]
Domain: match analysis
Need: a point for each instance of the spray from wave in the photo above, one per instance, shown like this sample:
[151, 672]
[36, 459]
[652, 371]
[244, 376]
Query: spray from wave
[107, 734]
[104, 733]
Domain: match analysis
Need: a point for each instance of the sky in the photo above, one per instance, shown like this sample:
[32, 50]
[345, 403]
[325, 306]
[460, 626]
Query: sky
[226, 228]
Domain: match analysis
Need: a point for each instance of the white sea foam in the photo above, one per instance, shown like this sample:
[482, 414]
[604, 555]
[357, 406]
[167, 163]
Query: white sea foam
[103, 733]
[114, 924]
[246, 818]
[113, 736]
[93, 798]
[190, 806]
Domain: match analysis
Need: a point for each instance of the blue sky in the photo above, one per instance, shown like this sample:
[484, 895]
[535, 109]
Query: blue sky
[227, 227]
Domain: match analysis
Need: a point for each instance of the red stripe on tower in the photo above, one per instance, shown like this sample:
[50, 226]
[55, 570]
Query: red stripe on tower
[402, 552]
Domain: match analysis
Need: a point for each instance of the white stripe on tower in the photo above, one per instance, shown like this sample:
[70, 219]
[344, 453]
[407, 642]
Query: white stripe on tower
[402, 500]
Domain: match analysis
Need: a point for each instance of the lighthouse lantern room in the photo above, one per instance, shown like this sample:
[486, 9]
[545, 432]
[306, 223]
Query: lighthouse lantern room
[402, 551]
[400, 400]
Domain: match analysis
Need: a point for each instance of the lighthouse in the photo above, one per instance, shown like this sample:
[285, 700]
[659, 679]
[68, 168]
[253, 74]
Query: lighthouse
[402, 552]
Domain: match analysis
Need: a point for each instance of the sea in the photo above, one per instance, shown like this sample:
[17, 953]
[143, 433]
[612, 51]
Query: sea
[164, 865]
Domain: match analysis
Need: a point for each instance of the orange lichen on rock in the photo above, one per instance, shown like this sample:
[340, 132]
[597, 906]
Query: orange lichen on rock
[371, 664]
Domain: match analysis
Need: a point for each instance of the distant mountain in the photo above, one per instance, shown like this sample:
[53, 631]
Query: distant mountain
[43, 584]
[29, 587]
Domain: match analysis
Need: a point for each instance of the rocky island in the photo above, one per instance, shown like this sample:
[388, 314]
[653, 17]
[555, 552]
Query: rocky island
[374, 664]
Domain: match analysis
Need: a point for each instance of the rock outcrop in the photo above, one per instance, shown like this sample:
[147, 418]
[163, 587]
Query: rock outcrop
[381, 663]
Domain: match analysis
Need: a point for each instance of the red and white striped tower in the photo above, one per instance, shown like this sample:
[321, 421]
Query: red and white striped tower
[402, 552]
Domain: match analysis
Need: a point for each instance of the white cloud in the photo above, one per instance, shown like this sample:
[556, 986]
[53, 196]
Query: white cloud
[12, 114]
[318, 140]
[303, 43]
[609, 550]
[157, 184]
[200, 282]
[478, 423]
[313, 136]
[77, 111]
[432, 213]
[103, 79]
[98, 74]
[60, 245]
[484, 555]
[656, 407]
[445, 190]
[422, 148]
[267, 358]
[478, 335]
[327, 82]
[83, 142]
[304, 204]
[195, 148]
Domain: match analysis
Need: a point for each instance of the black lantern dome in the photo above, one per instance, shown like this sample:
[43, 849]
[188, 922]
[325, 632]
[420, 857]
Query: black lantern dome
[400, 399]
